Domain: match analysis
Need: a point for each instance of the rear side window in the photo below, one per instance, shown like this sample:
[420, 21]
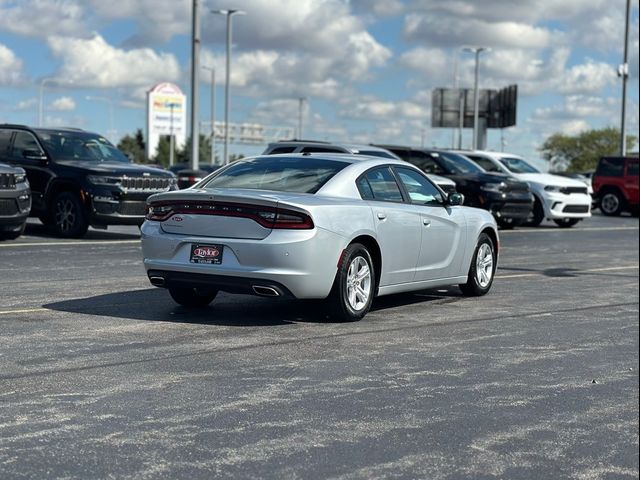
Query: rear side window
[279, 174]
[320, 149]
[611, 167]
[632, 169]
[277, 150]
[5, 136]
[379, 184]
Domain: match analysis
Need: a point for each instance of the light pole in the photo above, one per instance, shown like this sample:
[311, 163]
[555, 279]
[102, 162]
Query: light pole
[456, 86]
[40, 103]
[195, 77]
[229, 14]
[110, 102]
[476, 97]
[300, 111]
[623, 71]
[213, 113]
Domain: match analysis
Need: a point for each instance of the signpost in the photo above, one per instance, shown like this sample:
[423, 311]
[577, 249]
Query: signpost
[166, 115]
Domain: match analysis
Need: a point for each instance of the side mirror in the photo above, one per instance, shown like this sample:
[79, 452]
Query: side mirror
[34, 155]
[454, 199]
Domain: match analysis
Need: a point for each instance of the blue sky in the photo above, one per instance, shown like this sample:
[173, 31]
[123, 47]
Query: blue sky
[367, 68]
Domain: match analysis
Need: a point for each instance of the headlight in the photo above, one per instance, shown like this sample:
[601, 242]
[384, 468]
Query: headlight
[173, 183]
[493, 187]
[21, 177]
[551, 188]
[103, 180]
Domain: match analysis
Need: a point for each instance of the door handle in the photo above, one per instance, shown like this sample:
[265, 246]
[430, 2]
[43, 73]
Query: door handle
[381, 216]
[426, 222]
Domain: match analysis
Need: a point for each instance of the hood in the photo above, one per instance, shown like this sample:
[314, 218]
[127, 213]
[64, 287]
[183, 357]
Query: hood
[4, 168]
[115, 168]
[548, 179]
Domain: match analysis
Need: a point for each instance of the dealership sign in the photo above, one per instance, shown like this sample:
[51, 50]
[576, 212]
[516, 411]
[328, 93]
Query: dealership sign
[166, 115]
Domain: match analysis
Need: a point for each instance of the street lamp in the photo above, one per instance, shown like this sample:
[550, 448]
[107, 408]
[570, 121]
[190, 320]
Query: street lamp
[623, 72]
[110, 102]
[213, 113]
[301, 101]
[461, 105]
[229, 14]
[476, 98]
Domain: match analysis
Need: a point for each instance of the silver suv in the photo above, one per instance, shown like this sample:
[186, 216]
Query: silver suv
[15, 201]
[315, 146]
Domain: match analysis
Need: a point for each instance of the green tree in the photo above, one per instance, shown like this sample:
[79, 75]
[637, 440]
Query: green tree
[134, 146]
[577, 153]
[204, 150]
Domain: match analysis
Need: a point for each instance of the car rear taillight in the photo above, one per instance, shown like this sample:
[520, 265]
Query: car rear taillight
[268, 217]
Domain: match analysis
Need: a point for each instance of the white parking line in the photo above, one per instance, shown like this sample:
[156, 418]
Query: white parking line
[57, 244]
[590, 270]
[565, 230]
[24, 310]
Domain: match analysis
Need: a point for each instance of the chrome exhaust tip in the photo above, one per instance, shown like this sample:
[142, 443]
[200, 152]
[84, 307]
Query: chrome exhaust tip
[157, 281]
[265, 291]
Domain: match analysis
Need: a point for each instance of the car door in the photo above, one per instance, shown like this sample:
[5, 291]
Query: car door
[631, 181]
[398, 227]
[24, 152]
[443, 227]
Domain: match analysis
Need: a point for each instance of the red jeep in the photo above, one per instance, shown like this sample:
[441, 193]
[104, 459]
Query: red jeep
[615, 185]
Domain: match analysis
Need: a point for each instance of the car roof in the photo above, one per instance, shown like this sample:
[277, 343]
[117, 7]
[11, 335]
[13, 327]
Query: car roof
[340, 157]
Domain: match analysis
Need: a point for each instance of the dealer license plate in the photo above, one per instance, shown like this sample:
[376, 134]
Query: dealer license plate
[208, 254]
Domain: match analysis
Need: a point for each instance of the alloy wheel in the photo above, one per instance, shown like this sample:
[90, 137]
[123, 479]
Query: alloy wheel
[610, 203]
[484, 265]
[358, 283]
[66, 215]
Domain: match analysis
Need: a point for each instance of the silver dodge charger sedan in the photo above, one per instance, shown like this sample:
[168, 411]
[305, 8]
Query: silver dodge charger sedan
[316, 226]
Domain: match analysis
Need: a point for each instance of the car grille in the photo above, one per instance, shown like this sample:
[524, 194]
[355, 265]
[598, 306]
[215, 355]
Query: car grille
[516, 188]
[8, 206]
[576, 209]
[145, 183]
[570, 190]
[132, 208]
[7, 181]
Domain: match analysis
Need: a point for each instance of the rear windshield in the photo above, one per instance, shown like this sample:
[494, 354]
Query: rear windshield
[280, 174]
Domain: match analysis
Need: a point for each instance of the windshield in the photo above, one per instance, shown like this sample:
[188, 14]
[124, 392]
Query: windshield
[84, 146]
[281, 174]
[517, 165]
[458, 164]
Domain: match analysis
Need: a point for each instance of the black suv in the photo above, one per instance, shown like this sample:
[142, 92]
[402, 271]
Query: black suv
[15, 201]
[509, 200]
[79, 178]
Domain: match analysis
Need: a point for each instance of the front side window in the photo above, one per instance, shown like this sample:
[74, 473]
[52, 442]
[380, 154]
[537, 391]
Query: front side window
[278, 150]
[321, 150]
[611, 167]
[419, 188]
[280, 174]
[379, 184]
[485, 163]
[5, 136]
[517, 165]
[24, 142]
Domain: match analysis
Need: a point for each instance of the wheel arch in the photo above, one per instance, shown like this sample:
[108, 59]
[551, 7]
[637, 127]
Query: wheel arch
[376, 254]
[493, 235]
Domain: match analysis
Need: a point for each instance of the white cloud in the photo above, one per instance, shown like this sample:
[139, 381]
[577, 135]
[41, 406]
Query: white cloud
[24, 105]
[43, 18]
[590, 77]
[94, 63]
[63, 104]
[11, 67]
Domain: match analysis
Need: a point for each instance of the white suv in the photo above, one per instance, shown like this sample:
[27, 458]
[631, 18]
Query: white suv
[564, 200]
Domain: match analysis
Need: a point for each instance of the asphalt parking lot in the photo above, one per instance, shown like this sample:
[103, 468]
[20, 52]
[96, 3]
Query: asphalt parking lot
[103, 375]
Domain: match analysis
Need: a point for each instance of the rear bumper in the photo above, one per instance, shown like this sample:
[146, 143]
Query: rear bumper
[301, 263]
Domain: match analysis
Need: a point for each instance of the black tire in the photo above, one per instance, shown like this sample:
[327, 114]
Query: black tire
[13, 235]
[611, 203]
[45, 219]
[566, 222]
[537, 214]
[192, 297]
[339, 305]
[474, 287]
[69, 218]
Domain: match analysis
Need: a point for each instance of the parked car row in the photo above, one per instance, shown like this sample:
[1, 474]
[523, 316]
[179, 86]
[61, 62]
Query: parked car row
[72, 179]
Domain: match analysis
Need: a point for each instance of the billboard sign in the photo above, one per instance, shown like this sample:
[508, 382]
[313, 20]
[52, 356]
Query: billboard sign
[166, 115]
